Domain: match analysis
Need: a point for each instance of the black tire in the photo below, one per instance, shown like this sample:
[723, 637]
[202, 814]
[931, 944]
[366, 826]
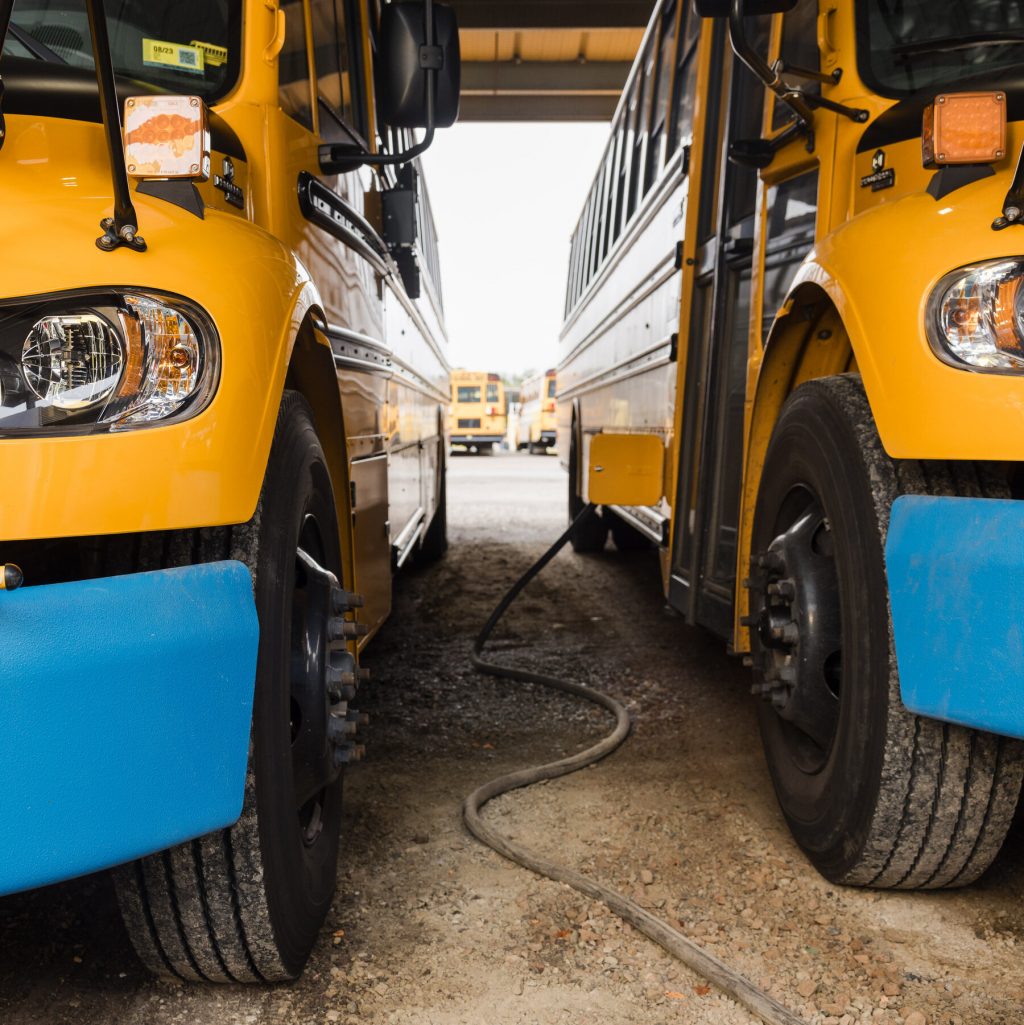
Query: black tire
[246, 904]
[627, 538]
[875, 795]
[435, 540]
[592, 533]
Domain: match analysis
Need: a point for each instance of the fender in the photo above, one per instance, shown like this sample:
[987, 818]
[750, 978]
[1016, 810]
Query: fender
[204, 471]
[924, 408]
[859, 303]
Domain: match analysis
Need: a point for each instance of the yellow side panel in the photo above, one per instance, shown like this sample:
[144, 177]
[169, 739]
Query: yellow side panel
[626, 469]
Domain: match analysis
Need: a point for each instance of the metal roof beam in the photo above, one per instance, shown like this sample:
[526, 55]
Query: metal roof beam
[537, 108]
[525, 14]
[567, 78]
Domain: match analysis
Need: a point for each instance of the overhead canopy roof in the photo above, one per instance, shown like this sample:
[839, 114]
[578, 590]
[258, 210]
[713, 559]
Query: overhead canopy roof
[547, 60]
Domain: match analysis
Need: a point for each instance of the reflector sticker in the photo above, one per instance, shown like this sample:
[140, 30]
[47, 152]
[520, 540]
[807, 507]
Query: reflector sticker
[215, 56]
[160, 54]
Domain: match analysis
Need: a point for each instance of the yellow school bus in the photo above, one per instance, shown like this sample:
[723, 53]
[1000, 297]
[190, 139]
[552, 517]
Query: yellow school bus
[793, 359]
[538, 418]
[479, 414]
[223, 403]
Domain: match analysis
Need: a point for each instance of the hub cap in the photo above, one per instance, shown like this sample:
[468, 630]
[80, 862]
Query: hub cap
[795, 610]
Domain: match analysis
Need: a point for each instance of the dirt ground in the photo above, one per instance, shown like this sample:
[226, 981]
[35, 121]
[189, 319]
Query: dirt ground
[431, 929]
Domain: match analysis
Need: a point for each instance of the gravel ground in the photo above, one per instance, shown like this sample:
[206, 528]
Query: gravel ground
[428, 927]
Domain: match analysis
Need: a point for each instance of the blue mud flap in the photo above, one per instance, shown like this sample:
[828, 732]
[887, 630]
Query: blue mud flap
[125, 707]
[956, 588]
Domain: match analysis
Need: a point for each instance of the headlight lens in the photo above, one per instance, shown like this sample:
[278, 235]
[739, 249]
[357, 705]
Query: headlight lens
[976, 317]
[103, 362]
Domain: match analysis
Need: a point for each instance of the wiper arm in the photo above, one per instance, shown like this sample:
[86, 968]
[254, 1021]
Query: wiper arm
[949, 44]
[34, 47]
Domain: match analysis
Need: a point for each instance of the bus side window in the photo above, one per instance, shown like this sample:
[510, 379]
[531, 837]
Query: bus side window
[798, 48]
[792, 210]
[293, 82]
[621, 176]
[333, 61]
[660, 95]
[684, 89]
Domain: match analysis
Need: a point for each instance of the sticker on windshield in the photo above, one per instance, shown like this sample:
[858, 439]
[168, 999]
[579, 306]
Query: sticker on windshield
[177, 56]
[215, 56]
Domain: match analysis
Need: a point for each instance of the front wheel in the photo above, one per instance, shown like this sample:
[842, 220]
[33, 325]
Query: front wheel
[875, 795]
[246, 904]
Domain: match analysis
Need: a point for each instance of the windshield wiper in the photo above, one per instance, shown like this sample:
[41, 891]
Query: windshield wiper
[34, 47]
[949, 44]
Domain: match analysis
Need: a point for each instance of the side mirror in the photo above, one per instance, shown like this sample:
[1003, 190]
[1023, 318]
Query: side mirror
[751, 8]
[406, 57]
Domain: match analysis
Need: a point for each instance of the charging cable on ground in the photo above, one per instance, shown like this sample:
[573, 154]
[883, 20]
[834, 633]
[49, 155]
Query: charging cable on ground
[727, 979]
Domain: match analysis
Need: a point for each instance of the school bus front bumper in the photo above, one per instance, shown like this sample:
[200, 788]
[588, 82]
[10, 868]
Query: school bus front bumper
[955, 567]
[125, 708]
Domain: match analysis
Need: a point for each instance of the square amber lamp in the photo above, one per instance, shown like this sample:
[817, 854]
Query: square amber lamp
[964, 128]
[166, 137]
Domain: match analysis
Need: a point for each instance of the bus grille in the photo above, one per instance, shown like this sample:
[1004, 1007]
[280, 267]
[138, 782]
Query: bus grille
[469, 423]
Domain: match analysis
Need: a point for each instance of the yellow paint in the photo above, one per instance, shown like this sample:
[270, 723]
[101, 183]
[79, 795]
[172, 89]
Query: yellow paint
[267, 278]
[857, 304]
[626, 469]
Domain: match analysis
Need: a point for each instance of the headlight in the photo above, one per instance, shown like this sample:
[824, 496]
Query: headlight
[103, 362]
[976, 317]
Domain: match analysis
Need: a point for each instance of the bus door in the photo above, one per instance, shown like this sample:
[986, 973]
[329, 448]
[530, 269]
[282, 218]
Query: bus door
[707, 505]
[731, 284]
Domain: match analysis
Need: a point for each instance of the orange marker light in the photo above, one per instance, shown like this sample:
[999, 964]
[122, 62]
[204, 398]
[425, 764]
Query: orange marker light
[964, 128]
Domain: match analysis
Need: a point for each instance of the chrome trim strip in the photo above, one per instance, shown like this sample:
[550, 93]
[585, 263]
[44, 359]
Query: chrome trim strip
[657, 531]
[404, 545]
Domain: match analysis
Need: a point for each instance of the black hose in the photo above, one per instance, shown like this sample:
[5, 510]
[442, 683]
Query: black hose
[727, 979]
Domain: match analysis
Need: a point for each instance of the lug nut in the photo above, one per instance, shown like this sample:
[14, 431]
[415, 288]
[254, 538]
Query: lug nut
[344, 692]
[348, 753]
[342, 601]
[340, 629]
[338, 730]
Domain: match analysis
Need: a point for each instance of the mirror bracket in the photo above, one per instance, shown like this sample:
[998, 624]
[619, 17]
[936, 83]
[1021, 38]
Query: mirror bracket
[793, 99]
[780, 67]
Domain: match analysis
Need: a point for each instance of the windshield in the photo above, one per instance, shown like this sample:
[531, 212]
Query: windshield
[189, 46]
[906, 45]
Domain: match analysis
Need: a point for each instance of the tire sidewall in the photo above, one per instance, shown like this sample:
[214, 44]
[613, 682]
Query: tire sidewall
[299, 880]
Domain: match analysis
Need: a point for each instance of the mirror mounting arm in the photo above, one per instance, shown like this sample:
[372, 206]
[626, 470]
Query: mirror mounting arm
[770, 77]
[431, 61]
[123, 228]
[6, 9]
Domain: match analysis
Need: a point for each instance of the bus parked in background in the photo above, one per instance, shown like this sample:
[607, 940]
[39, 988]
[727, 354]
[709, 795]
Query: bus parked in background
[797, 271]
[479, 416]
[223, 395]
[538, 419]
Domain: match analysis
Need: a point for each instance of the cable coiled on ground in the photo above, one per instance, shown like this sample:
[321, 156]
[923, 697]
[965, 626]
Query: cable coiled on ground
[727, 979]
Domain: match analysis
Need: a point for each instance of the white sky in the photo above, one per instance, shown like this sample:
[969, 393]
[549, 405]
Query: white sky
[506, 198]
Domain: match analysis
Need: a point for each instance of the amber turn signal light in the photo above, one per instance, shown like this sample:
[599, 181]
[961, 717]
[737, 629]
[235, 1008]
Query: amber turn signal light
[964, 128]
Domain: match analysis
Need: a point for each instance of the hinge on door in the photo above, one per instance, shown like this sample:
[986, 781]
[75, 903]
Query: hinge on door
[679, 255]
[673, 351]
[352, 494]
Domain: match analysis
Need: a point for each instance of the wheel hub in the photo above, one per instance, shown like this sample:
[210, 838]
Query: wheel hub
[324, 679]
[794, 603]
